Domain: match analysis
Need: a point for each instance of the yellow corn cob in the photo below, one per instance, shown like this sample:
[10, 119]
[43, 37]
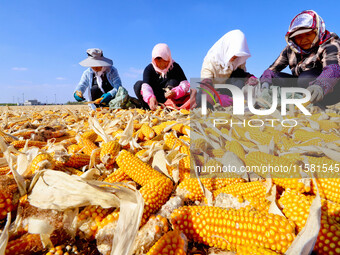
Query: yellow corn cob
[117, 176]
[160, 127]
[74, 148]
[327, 125]
[78, 160]
[90, 135]
[26, 244]
[286, 180]
[237, 148]
[226, 229]
[21, 144]
[87, 146]
[147, 131]
[303, 135]
[110, 218]
[42, 161]
[8, 138]
[333, 209]
[184, 138]
[117, 134]
[244, 190]
[184, 111]
[140, 153]
[9, 195]
[254, 250]
[137, 170]
[155, 194]
[192, 189]
[109, 152]
[172, 242]
[200, 145]
[296, 207]
[4, 170]
[216, 153]
[91, 217]
[139, 135]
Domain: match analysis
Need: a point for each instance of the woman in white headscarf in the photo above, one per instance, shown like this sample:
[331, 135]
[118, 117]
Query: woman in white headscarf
[226, 61]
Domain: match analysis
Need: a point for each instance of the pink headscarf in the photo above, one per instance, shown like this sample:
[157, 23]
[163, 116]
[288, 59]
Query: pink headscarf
[162, 50]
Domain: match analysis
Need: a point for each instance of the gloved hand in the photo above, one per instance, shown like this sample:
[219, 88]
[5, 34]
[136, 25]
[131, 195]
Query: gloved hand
[252, 81]
[78, 98]
[106, 98]
[265, 85]
[316, 93]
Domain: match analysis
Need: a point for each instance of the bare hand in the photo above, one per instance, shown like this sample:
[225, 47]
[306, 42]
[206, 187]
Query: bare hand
[169, 94]
[153, 103]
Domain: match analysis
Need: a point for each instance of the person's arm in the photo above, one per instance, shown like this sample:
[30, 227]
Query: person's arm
[115, 81]
[83, 83]
[207, 70]
[279, 64]
[330, 74]
[181, 90]
[147, 92]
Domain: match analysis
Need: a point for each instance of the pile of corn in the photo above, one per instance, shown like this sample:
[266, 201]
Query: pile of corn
[63, 140]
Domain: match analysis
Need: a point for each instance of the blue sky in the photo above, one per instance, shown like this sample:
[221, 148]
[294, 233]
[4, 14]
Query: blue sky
[42, 42]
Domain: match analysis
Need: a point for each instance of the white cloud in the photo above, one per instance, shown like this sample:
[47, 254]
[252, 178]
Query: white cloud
[19, 68]
[61, 78]
[133, 72]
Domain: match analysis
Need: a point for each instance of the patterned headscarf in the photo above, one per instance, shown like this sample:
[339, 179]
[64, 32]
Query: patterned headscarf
[308, 19]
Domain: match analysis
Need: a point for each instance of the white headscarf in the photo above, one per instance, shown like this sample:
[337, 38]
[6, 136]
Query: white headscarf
[233, 43]
[99, 78]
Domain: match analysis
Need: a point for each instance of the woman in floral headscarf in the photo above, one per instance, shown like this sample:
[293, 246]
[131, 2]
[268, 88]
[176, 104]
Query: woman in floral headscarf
[313, 55]
[162, 79]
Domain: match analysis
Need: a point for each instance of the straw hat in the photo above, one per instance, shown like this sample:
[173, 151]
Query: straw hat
[95, 58]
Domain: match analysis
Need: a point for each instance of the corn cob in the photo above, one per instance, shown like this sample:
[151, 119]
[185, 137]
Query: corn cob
[216, 153]
[109, 152]
[147, 131]
[290, 180]
[87, 145]
[78, 160]
[26, 244]
[137, 170]
[7, 138]
[21, 144]
[90, 135]
[42, 161]
[244, 190]
[173, 242]
[117, 176]
[74, 148]
[184, 138]
[254, 250]
[296, 207]
[303, 135]
[4, 170]
[155, 194]
[237, 148]
[90, 218]
[226, 229]
[9, 195]
[160, 127]
[192, 189]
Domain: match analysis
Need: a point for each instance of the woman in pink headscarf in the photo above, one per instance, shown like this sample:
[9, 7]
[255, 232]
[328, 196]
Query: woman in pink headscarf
[163, 79]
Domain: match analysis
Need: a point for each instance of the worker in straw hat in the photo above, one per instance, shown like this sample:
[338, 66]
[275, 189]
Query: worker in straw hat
[313, 55]
[101, 78]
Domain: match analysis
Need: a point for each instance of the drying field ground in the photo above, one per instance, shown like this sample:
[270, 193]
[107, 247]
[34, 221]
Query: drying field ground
[73, 181]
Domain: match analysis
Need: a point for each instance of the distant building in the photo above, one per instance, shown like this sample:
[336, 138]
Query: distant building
[32, 102]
